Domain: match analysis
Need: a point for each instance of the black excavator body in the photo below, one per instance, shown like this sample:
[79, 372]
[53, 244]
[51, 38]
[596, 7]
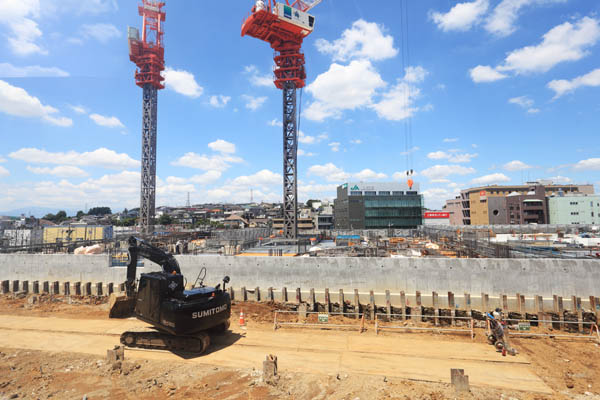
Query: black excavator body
[181, 319]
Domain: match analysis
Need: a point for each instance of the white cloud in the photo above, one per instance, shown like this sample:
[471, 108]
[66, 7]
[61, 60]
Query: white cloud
[332, 173]
[308, 139]
[264, 177]
[222, 146]
[560, 179]
[563, 86]
[78, 109]
[254, 103]
[450, 140]
[356, 141]
[369, 175]
[258, 79]
[2, 160]
[182, 82]
[19, 17]
[415, 74]
[275, 122]
[364, 40]
[4, 171]
[335, 146]
[32, 71]
[329, 171]
[592, 164]
[491, 178]
[101, 157]
[343, 88]
[219, 101]
[101, 32]
[399, 176]
[218, 162]
[501, 21]
[397, 103]
[524, 102]
[108, 122]
[302, 153]
[516, 165]
[461, 17]
[443, 171]
[409, 151]
[441, 180]
[438, 155]
[565, 42]
[485, 73]
[206, 178]
[63, 171]
[455, 158]
[17, 102]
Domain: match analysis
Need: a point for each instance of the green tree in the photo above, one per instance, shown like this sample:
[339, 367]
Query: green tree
[165, 220]
[80, 214]
[49, 217]
[99, 211]
[60, 216]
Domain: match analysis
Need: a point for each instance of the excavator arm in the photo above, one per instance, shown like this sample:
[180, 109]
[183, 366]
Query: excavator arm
[137, 248]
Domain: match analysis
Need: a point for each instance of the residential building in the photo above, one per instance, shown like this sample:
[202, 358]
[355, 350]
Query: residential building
[574, 209]
[454, 208]
[487, 205]
[528, 208]
[378, 205]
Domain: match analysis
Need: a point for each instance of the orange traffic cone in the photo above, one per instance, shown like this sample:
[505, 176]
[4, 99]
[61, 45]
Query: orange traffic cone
[242, 320]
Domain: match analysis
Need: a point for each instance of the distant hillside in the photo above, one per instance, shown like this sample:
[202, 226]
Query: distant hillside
[37, 212]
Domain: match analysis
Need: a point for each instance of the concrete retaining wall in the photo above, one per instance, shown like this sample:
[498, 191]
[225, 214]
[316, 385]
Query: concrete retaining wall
[494, 276]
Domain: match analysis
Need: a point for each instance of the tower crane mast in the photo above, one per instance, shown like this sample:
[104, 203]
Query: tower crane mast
[148, 54]
[284, 26]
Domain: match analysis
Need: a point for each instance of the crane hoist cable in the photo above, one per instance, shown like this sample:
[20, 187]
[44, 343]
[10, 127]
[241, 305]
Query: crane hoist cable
[408, 142]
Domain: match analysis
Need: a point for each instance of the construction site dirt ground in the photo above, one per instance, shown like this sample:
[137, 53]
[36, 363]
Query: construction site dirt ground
[53, 349]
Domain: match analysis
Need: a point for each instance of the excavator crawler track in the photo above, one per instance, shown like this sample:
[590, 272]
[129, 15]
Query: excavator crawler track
[162, 341]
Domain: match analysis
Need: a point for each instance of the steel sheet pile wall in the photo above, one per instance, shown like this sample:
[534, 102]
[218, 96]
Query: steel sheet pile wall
[545, 277]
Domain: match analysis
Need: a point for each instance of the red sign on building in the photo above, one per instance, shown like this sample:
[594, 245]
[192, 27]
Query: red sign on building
[436, 215]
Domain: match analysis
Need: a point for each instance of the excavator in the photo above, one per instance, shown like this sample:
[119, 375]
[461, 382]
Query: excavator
[182, 320]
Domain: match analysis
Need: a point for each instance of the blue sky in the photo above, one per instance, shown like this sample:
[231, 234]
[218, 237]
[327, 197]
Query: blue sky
[498, 91]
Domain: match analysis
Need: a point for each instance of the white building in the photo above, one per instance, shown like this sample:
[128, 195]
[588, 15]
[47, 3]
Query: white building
[578, 209]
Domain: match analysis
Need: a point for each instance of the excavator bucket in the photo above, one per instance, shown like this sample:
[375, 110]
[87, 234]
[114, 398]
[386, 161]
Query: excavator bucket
[120, 306]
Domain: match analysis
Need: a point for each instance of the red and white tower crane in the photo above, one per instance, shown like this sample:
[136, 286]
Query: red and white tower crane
[148, 54]
[284, 26]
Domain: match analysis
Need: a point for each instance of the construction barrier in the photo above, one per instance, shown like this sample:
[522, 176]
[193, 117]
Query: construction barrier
[593, 328]
[436, 329]
[318, 319]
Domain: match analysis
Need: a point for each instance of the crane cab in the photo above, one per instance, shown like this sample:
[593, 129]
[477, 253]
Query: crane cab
[296, 17]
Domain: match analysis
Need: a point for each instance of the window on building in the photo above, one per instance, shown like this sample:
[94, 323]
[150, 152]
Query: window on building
[384, 193]
[395, 193]
[370, 193]
[591, 204]
[355, 193]
[411, 192]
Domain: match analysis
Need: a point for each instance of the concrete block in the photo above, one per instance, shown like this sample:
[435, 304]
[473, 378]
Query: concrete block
[416, 312]
[356, 303]
[5, 287]
[270, 370]
[372, 303]
[46, 287]
[77, 288]
[244, 294]
[270, 294]
[436, 310]
[327, 300]
[111, 288]
[66, 288]
[15, 286]
[485, 302]
[298, 296]
[116, 355]
[87, 289]
[403, 305]
[229, 289]
[257, 294]
[55, 287]
[459, 380]
[388, 304]
[25, 286]
[504, 305]
[342, 301]
[302, 310]
[284, 295]
[36, 287]
[99, 287]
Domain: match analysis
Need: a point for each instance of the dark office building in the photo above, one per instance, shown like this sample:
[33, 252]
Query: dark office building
[378, 206]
